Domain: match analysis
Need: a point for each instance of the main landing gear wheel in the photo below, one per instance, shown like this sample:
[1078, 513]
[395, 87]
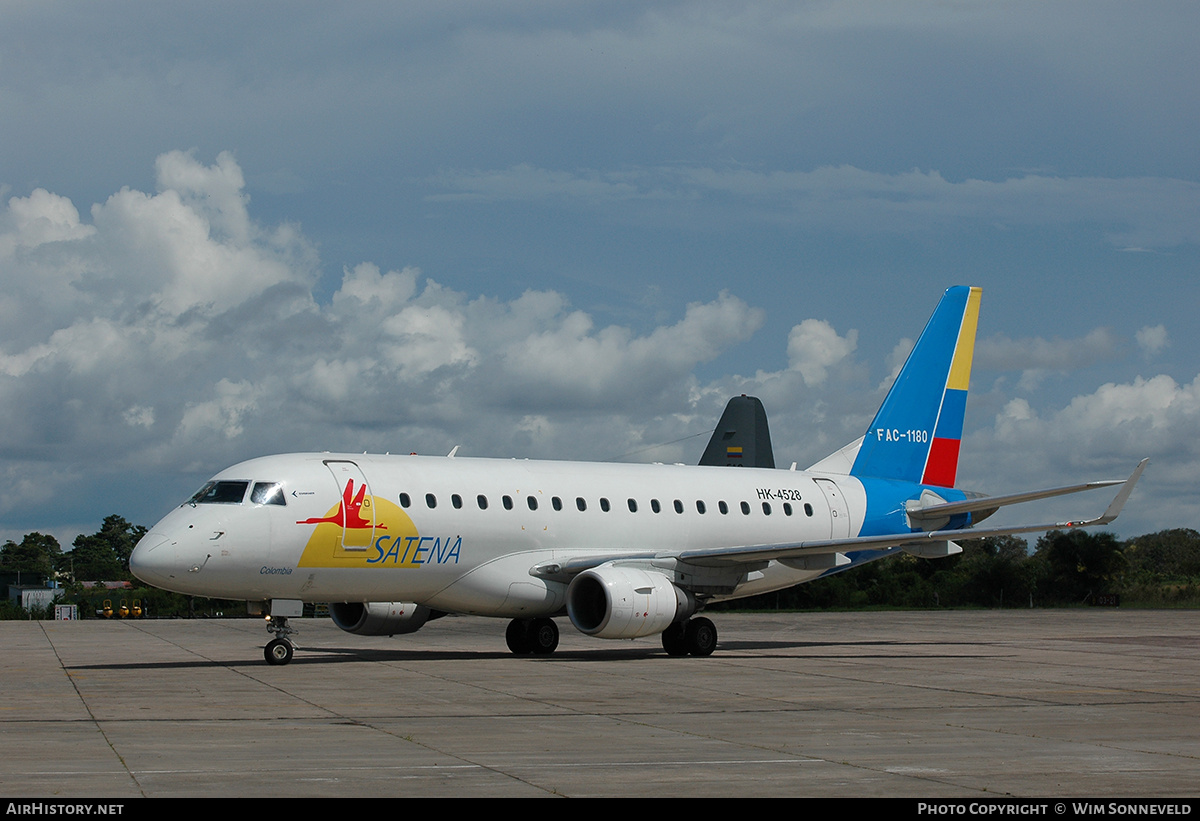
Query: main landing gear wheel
[538, 636]
[697, 637]
[674, 639]
[701, 637]
[278, 651]
[517, 637]
[543, 636]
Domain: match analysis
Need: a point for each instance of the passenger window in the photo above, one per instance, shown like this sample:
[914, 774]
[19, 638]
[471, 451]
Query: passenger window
[507, 500]
[480, 500]
[678, 506]
[268, 493]
[766, 508]
[654, 505]
[604, 504]
[580, 503]
[700, 507]
[556, 503]
[430, 501]
[456, 500]
[724, 508]
[405, 500]
[787, 508]
[746, 508]
[532, 501]
[808, 511]
[633, 505]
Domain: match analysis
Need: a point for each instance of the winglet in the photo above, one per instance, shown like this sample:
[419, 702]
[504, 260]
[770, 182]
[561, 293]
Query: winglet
[1118, 502]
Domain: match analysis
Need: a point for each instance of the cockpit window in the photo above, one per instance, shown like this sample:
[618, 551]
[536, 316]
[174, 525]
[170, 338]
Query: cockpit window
[268, 493]
[220, 493]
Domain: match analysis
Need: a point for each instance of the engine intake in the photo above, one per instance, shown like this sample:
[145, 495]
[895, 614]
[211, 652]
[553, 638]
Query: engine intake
[379, 618]
[625, 602]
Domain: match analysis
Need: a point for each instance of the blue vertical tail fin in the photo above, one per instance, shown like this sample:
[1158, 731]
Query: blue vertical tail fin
[916, 433]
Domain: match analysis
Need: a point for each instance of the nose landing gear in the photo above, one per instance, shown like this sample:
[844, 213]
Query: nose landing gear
[280, 649]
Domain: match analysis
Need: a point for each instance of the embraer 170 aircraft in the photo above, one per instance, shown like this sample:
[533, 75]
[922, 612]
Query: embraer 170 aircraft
[623, 550]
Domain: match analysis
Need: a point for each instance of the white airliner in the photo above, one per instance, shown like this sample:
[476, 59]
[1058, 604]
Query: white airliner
[623, 550]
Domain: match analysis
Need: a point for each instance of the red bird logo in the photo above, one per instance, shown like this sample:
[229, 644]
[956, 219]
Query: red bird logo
[349, 512]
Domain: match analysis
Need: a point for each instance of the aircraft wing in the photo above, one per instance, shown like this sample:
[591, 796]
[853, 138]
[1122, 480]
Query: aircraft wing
[799, 551]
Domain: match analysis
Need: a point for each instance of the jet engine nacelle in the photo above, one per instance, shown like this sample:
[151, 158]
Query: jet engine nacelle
[379, 618]
[625, 602]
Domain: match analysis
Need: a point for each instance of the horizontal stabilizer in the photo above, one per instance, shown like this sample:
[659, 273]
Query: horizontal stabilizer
[987, 505]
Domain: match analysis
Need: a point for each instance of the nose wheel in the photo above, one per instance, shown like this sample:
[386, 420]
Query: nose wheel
[280, 649]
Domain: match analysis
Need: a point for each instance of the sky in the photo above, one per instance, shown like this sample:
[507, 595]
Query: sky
[572, 230]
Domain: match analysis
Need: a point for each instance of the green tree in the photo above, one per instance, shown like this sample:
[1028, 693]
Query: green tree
[1167, 554]
[105, 554]
[1079, 565]
[997, 571]
[37, 554]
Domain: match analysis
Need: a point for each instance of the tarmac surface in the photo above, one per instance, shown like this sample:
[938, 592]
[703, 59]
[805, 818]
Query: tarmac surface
[969, 705]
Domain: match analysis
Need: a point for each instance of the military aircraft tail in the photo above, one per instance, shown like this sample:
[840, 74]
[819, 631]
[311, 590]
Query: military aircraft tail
[742, 437]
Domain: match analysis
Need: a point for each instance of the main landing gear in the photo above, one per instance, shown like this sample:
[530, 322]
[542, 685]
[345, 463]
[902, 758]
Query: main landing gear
[280, 649]
[697, 637]
[537, 636]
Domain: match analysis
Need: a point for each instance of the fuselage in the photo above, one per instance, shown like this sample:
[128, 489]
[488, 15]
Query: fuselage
[462, 534]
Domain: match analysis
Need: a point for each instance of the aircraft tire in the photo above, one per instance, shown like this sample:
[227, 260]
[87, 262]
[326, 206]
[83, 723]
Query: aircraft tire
[543, 636]
[674, 639]
[701, 637]
[518, 638]
[278, 651]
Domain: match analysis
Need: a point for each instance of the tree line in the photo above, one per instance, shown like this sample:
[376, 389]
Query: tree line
[102, 556]
[1064, 568]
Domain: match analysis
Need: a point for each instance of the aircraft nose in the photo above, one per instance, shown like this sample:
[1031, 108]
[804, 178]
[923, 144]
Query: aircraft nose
[153, 559]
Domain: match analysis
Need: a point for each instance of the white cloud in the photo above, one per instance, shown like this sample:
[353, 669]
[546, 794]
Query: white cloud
[1152, 339]
[213, 192]
[427, 338]
[814, 347]
[1099, 435]
[574, 363]
[40, 218]
[179, 330]
[223, 415]
[1036, 357]
[366, 286]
